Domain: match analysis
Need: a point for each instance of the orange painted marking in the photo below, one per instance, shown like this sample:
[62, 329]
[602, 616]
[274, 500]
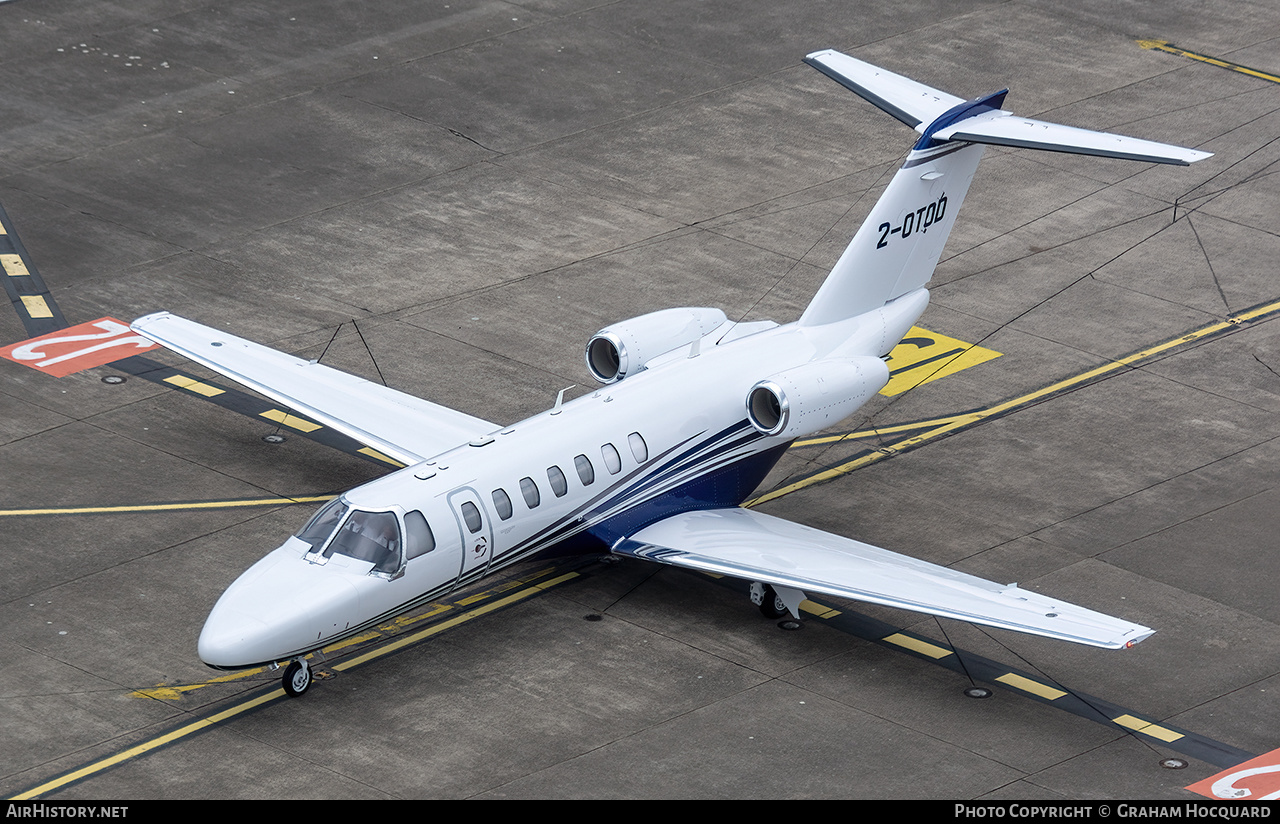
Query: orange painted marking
[77, 348]
[1255, 780]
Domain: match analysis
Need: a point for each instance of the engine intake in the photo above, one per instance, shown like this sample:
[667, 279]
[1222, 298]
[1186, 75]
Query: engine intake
[812, 397]
[624, 348]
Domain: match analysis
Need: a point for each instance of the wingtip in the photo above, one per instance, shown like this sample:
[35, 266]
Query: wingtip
[138, 323]
[1143, 635]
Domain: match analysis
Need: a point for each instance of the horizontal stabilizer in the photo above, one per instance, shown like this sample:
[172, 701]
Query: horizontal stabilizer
[399, 425]
[943, 117]
[913, 103]
[900, 242]
[756, 547]
[1000, 128]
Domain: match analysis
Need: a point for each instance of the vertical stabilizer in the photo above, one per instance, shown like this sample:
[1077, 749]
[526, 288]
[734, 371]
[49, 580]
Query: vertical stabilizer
[897, 248]
[900, 242]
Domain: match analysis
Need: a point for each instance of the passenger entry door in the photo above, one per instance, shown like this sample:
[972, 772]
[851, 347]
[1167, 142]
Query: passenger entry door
[474, 526]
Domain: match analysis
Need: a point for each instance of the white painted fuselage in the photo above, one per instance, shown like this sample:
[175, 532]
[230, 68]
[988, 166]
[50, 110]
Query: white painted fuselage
[671, 438]
[693, 412]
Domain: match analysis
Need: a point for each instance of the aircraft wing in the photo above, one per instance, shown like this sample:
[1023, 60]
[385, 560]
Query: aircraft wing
[406, 428]
[753, 546]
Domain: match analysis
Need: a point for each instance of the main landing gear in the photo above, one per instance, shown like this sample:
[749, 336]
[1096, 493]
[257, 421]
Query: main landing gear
[297, 677]
[770, 603]
[778, 602]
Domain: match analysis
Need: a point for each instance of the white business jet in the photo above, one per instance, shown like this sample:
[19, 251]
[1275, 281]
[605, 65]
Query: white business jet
[693, 412]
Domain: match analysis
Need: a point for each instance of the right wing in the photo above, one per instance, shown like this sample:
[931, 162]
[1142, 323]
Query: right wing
[753, 546]
[406, 428]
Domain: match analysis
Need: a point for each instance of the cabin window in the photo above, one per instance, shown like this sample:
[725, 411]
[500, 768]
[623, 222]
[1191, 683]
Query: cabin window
[612, 461]
[502, 503]
[471, 516]
[418, 539]
[586, 473]
[559, 485]
[530, 492]
[638, 447]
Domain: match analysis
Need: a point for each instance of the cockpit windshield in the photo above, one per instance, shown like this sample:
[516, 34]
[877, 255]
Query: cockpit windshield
[322, 524]
[364, 536]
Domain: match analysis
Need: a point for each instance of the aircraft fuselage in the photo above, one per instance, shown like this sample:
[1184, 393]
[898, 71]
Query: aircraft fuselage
[671, 438]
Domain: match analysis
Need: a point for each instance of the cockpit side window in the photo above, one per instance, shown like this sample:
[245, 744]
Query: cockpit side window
[369, 536]
[322, 524]
[418, 539]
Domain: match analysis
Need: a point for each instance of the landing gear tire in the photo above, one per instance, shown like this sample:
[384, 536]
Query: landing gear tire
[297, 678]
[770, 604]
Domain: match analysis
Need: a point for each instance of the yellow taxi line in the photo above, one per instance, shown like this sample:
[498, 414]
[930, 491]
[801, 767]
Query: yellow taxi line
[1165, 46]
[198, 726]
[949, 425]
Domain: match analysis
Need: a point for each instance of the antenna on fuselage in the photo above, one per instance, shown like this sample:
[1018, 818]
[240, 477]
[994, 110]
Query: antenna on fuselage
[555, 410]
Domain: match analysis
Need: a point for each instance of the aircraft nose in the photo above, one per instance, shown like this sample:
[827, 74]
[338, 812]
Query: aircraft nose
[279, 608]
[231, 640]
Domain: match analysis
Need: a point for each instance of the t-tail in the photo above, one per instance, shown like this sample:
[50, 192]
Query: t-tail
[898, 246]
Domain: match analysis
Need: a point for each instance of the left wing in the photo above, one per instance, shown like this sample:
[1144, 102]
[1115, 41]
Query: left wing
[751, 545]
[406, 428]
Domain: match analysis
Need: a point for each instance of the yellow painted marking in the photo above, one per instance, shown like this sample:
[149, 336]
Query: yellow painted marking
[1033, 687]
[925, 356]
[290, 420]
[99, 510]
[818, 610]
[147, 746]
[452, 622]
[1165, 46]
[14, 266]
[373, 453]
[217, 718]
[876, 433]
[948, 425]
[395, 626]
[917, 645]
[165, 693]
[36, 307]
[194, 385]
[1148, 728]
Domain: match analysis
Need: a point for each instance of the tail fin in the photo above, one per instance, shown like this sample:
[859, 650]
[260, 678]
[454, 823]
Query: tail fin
[898, 246]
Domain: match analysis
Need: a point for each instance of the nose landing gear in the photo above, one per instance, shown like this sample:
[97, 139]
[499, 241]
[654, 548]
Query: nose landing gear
[297, 677]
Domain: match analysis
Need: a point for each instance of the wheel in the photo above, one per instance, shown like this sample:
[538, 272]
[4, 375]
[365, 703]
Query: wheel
[297, 678]
[771, 605]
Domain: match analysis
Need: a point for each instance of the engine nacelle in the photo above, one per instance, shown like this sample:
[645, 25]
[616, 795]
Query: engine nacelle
[624, 348]
[810, 398]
